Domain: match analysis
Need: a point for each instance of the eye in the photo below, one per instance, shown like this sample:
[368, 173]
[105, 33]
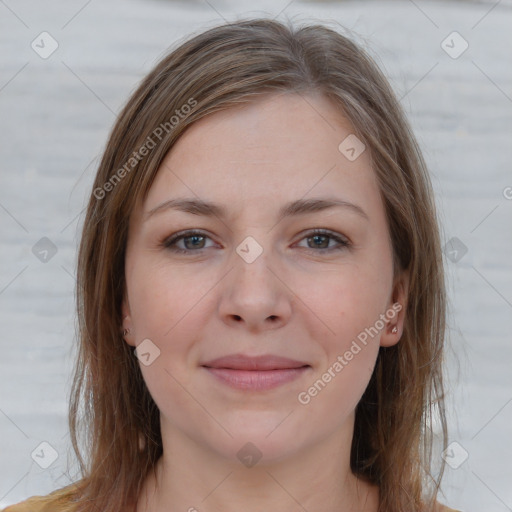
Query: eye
[320, 241]
[194, 241]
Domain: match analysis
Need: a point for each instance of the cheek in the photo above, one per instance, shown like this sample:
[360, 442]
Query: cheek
[352, 350]
[170, 307]
[335, 392]
[161, 297]
[345, 303]
[349, 304]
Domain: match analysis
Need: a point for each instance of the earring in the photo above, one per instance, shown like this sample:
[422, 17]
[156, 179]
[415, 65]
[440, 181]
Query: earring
[394, 330]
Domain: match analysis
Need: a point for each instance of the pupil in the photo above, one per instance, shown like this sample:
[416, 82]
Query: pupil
[316, 237]
[195, 237]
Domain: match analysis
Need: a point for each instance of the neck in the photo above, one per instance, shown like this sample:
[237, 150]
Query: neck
[190, 477]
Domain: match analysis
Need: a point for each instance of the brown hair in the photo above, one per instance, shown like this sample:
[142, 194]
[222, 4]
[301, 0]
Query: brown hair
[214, 70]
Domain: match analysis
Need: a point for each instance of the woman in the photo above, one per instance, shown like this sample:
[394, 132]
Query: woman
[260, 289]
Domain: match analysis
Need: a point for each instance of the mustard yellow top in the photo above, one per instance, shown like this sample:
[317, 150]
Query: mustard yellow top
[58, 501]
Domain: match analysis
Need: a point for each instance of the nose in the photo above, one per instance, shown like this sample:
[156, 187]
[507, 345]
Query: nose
[254, 295]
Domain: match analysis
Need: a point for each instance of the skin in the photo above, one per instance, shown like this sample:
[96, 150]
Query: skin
[294, 301]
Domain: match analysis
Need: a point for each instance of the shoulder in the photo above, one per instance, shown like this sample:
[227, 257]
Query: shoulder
[437, 507]
[444, 508]
[60, 500]
[33, 504]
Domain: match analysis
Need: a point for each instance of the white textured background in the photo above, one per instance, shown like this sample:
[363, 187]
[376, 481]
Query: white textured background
[55, 115]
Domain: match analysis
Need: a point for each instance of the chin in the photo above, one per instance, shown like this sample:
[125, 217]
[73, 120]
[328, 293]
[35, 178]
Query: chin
[258, 441]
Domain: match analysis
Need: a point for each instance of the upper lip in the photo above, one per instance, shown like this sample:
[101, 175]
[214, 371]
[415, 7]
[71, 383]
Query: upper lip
[264, 362]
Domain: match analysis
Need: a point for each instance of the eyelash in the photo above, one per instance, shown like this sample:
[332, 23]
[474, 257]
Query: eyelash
[169, 243]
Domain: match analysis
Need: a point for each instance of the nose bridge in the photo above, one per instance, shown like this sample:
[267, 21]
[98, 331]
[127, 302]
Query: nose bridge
[253, 292]
[252, 260]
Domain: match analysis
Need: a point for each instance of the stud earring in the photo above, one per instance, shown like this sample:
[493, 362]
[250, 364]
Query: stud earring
[394, 330]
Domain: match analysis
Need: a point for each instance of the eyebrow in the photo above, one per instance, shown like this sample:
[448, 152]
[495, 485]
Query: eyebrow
[196, 206]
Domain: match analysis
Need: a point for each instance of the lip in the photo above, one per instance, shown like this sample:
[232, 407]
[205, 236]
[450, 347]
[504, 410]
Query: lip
[256, 380]
[263, 362]
[255, 373]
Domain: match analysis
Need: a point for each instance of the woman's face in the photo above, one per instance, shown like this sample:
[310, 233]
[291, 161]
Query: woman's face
[254, 279]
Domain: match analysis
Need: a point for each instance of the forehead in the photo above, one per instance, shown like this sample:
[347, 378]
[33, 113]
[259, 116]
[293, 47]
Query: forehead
[257, 156]
[273, 124]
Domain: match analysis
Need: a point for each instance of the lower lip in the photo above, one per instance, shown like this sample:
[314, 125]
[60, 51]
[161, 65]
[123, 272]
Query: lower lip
[256, 379]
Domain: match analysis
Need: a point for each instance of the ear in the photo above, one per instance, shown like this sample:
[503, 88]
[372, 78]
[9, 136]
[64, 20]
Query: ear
[395, 311]
[127, 327]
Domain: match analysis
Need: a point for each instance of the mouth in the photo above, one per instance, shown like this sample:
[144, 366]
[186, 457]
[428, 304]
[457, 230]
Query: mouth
[256, 379]
[255, 373]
